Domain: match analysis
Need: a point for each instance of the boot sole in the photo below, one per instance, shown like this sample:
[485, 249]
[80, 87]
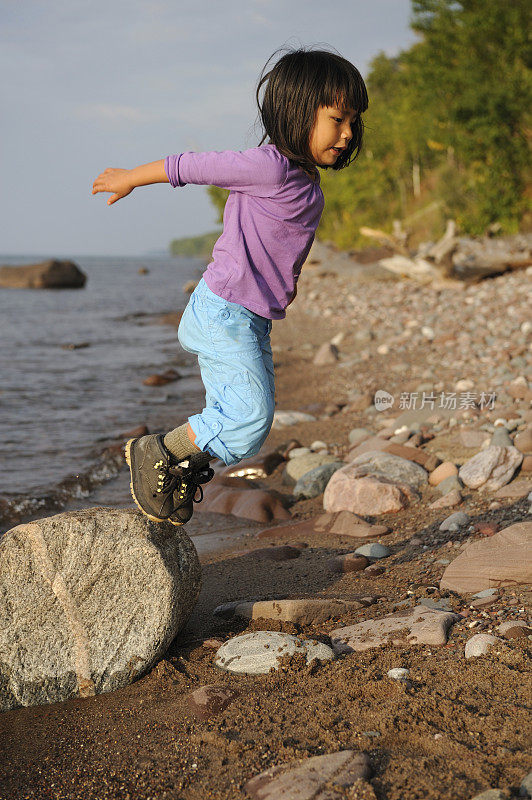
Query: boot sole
[150, 516]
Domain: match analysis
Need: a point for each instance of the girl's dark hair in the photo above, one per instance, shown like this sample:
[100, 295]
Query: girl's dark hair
[299, 83]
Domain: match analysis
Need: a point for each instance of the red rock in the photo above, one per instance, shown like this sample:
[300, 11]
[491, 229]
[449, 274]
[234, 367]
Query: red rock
[303, 528]
[373, 570]
[209, 700]
[281, 552]
[350, 562]
[499, 560]
[526, 464]
[344, 523]
[428, 461]
[260, 466]
[232, 496]
[162, 379]
[317, 778]
[134, 433]
[486, 528]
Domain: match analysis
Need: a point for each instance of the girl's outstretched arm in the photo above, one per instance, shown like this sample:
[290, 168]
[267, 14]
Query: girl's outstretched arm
[122, 181]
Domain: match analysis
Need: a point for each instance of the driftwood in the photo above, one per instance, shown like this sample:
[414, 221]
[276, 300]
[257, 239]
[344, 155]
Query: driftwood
[384, 238]
[457, 258]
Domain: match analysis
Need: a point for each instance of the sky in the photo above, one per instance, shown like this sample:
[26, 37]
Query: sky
[90, 84]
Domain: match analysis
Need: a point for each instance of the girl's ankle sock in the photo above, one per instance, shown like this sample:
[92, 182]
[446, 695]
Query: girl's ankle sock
[179, 444]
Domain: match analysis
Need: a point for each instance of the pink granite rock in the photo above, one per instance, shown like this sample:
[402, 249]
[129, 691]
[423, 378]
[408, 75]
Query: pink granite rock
[419, 625]
[367, 495]
[500, 560]
[491, 468]
[317, 778]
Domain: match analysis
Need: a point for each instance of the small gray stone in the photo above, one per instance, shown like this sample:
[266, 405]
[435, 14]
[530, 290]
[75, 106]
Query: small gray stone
[297, 467]
[358, 435]
[486, 593]
[501, 437]
[373, 551]
[89, 600]
[455, 521]
[256, 653]
[489, 794]
[439, 605]
[449, 484]
[313, 483]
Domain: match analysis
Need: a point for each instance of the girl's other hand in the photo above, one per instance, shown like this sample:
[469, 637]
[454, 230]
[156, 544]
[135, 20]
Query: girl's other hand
[114, 180]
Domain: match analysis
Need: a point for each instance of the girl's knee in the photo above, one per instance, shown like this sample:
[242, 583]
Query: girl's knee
[254, 431]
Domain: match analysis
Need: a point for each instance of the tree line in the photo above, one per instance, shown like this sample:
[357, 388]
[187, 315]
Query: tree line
[447, 131]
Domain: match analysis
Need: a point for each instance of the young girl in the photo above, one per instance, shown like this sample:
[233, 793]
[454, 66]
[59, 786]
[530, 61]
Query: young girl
[311, 114]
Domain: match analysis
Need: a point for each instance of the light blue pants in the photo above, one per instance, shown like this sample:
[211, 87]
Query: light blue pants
[236, 364]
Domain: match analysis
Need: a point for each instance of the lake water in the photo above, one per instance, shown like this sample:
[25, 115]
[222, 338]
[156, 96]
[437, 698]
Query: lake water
[61, 408]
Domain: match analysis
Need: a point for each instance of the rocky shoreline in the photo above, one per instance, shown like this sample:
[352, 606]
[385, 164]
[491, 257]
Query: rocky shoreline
[427, 693]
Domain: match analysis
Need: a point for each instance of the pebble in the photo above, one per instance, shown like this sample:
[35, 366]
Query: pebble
[489, 794]
[373, 551]
[285, 418]
[479, 645]
[455, 521]
[398, 673]
[256, 653]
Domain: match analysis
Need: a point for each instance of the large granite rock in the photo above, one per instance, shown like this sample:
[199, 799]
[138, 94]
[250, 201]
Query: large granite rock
[89, 600]
[500, 560]
[52, 274]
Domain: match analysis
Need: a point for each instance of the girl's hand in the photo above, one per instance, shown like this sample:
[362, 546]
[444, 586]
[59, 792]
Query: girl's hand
[114, 180]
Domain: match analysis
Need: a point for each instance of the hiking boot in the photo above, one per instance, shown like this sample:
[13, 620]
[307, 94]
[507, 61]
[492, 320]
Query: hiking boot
[195, 470]
[154, 476]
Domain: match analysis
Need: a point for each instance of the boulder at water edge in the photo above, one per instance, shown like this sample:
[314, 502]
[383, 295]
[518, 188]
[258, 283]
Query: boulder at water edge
[89, 600]
[52, 274]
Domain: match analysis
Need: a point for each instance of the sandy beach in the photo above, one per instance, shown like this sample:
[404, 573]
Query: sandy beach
[457, 726]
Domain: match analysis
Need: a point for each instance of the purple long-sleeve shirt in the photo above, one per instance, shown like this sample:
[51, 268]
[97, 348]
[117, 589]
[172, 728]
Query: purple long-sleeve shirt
[270, 219]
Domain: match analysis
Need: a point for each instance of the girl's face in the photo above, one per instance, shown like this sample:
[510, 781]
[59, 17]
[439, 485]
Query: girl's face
[331, 134]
